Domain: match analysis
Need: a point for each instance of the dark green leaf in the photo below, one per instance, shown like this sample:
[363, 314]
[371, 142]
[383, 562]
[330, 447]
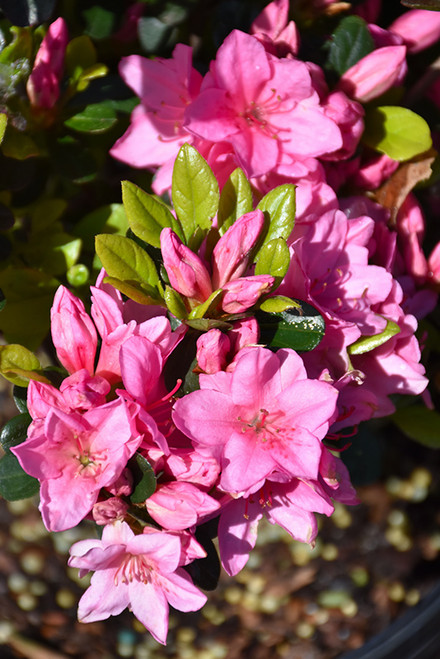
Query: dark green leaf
[27, 12]
[350, 42]
[419, 423]
[205, 572]
[95, 118]
[15, 484]
[144, 479]
[300, 330]
[15, 431]
[20, 398]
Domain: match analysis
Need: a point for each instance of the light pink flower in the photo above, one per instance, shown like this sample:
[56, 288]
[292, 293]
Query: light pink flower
[75, 455]
[43, 85]
[136, 571]
[265, 107]
[178, 505]
[187, 273]
[264, 417]
[272, 28]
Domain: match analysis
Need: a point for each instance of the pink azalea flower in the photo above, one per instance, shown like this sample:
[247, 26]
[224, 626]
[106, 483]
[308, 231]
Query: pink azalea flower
[265, 107]
[375, 73]
[75, 455]
[136, 571]
[178, 505]
[272, 28]
[73, 332]
[43, 85]
[212, 350]
[418, 28]
[264, 417]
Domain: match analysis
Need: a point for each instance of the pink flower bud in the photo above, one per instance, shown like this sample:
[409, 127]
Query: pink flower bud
[73, 332]
[230, 257]
[419, 29]
[43, 85]
[212, 349]
[375, 73]
[245, 332]
[186, 271]
[242, 293]
[434, 264]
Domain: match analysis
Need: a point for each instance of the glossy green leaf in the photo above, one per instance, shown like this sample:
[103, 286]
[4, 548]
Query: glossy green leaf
[175, 303]
[123, 259]
[273, 259]
[95, 118]
[141, 293]
[92, 73]
[278, 206]
[396, 131]
[146, 215]
[299, 329]
[279, 303]
[235, 200]
[208, 306]
[19, 395]
[15, 484]
[419, 423]
[367, 343]
[194, 191]
[350, 42]
[15, 431]
[18, 365]
[144, 479]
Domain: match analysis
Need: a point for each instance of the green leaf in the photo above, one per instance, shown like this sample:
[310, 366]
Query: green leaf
[144, 479]
[20, 46]
[18, 145]
[53, 252]
[95, 118]
[15, 431]
[299, 329]
[278, 303]
[350, 42]
[367, 343]
[152, 33]
[175, 303]
[45, 212]
[235, 200]
[78, 275]
[194, 191]
[419, 423]
[396, 131]
[146, 215]
[18, 365]
[3, 124]
[278, 206]
[141, 293]
[20, 398]
[99, 22]
[106, 219]
[208, 306]
[273, 259]
[80, 55]
[15, 484]
[123, 259]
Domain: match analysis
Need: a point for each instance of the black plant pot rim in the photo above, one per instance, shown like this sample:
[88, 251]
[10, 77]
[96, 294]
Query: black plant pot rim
[415, 635]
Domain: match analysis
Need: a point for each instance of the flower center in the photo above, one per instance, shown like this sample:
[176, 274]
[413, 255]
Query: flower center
[133, 567]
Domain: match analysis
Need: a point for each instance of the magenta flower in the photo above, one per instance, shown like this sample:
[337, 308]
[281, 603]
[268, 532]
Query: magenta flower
[375, 73]
[266, 108]
[74, 455]
[264, 417]
[137, 571]
[43, 85]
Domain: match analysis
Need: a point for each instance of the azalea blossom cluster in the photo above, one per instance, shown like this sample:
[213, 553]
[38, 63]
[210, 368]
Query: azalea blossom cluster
[187, 391]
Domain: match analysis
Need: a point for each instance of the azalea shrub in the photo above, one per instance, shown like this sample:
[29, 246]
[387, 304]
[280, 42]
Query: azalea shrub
[262, 287]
